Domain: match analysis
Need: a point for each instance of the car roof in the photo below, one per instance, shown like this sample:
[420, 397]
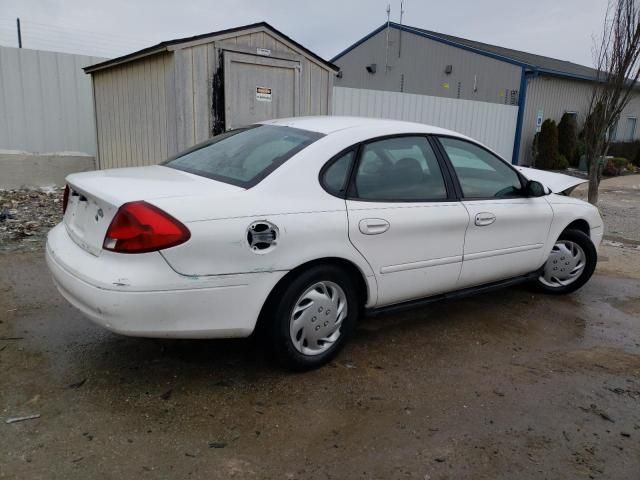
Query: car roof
[328, 124]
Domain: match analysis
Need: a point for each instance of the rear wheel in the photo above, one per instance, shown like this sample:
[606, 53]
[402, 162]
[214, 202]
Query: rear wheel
[570, 265]
[314, 317]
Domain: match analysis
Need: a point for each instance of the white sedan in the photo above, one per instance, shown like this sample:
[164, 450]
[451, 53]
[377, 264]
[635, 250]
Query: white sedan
[299, 226]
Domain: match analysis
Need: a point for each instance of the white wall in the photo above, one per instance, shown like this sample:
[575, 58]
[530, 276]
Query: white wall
[490, 123]
[46, 104]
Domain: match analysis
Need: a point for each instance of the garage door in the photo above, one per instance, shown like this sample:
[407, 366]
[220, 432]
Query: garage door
[259, 88]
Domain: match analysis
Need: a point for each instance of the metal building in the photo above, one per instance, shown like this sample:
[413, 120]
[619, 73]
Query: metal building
[155, 102]
[401, 58]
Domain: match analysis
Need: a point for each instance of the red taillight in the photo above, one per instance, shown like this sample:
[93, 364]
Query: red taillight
[140, 227]
[65, 199]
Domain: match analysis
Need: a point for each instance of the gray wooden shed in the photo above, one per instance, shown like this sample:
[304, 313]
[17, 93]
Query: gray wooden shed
[155, 102]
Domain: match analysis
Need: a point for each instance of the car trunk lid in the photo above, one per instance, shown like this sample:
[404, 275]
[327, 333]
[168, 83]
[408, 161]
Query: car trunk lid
[94, 197]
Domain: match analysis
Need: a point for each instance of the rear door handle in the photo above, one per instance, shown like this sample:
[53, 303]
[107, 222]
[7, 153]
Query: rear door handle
[485, 218]
[373, 226]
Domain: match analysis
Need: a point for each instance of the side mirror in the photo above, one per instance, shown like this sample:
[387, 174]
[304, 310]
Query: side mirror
[535, 189]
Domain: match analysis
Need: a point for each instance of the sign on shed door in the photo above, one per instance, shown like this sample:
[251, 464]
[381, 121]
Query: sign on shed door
[259, 88]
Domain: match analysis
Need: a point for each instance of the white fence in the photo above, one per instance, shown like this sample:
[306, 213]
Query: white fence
[46, 104]
[490, 123]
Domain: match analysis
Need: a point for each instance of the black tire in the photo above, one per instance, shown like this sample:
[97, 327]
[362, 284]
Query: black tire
[591, 259]
[281, 310]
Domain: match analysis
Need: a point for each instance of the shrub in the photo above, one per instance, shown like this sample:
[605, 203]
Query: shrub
[619, 162]
[534, 146]
[562, 163]
[627, 150]
[547, 146]
[568, 138]
[614, 166]
[610, 169]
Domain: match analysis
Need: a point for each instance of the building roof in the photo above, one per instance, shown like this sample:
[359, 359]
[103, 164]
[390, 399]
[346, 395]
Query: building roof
[538, 63]
[164, 46]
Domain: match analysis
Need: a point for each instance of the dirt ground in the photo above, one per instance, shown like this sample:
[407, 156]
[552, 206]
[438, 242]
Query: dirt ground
[505, 385]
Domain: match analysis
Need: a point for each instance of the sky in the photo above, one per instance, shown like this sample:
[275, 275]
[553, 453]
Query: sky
[561, 29]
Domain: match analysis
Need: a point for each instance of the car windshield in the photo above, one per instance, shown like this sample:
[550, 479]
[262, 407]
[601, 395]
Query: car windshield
[244, 156]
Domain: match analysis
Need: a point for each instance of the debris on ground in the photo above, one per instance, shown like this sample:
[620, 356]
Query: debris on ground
[22, 419]
[78, 384]
[594, 409]
[27, 215]
[217, 444]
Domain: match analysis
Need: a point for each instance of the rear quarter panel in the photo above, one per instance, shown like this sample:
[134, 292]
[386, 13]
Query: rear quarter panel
[311, 223]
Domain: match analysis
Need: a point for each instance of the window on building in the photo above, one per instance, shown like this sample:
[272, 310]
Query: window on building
[630, 133]
[572, 114]
[613, 131]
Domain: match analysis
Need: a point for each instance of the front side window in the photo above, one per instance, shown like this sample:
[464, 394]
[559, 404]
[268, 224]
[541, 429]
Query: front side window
[245, 156]
[480, 173]
[399, 169]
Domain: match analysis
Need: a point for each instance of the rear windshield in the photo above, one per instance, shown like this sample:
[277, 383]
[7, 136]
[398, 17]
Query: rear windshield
[244, 156]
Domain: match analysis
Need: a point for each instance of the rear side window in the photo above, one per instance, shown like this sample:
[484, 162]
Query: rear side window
[399, 169]
[244, 157]
[480, 173]
[335, 177]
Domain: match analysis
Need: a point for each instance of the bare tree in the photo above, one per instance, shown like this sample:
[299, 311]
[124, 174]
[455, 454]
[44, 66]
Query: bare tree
[617, 63]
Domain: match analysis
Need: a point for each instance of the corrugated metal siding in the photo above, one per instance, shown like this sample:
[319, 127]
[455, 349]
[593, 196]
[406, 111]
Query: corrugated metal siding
[492, 124]
[421, 69]
[46, 104]
[555, 96]
[132, 112]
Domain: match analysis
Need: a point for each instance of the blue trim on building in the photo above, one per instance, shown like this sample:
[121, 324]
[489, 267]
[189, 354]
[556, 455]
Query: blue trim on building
[522, 101]
[451, 43]
[359, 42]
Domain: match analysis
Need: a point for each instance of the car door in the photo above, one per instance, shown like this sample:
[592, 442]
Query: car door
[404, 218]
[507, 229]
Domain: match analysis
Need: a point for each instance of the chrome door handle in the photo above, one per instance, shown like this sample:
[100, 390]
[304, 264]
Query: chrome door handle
[485, 218]
[373, 226]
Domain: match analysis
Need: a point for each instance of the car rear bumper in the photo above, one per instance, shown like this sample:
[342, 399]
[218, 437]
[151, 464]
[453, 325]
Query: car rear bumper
[140, 295]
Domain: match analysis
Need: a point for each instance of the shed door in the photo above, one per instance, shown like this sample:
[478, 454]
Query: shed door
[259, 88]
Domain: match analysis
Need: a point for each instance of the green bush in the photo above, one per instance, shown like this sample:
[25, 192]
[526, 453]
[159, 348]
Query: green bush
[620, 162]
[610, 169]
[534, 145]
[547, 146]
[563, 163]
[568, 138]
[627, 150]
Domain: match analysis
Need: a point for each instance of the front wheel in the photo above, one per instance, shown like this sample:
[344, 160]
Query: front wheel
[570, 265]
[314, 317]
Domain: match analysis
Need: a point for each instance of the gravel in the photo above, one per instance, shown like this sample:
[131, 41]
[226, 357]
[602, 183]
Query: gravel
[26, 216]
[619, 204]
